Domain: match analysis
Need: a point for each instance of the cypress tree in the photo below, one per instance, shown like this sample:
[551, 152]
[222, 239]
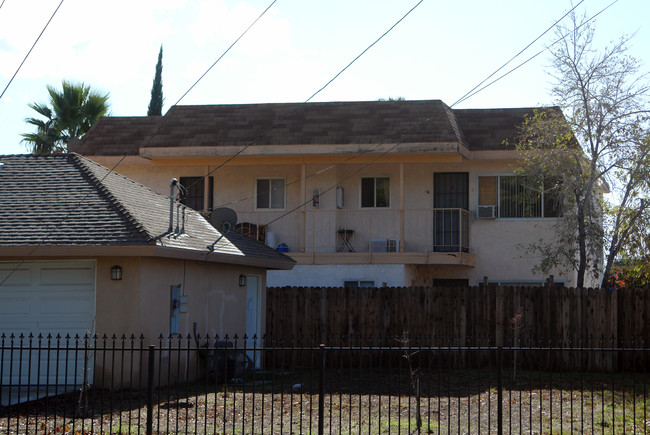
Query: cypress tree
[156, 103]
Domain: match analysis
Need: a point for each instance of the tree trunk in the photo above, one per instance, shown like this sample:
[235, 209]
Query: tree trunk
[582, 248]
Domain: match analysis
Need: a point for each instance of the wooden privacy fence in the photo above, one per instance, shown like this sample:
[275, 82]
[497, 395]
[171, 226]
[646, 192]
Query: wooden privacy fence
[567, 316]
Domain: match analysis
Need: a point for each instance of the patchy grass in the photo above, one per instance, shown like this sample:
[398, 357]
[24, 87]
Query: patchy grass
[451, 401]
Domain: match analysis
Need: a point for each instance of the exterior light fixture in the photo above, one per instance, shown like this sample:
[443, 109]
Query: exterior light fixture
[242, 280]
[116, 273]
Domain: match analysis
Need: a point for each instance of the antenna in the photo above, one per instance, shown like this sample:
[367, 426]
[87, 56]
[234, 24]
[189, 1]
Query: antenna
[223, 219]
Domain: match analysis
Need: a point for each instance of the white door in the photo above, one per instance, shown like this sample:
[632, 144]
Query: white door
[45, 297]
[253, 318]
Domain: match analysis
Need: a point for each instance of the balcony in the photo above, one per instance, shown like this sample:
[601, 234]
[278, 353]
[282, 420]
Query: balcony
[415, 236]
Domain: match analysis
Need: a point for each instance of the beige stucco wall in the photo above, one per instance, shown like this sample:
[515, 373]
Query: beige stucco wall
[140, 304]
[498, 244]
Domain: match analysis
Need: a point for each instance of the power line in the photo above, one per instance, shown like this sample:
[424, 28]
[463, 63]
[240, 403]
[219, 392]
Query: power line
[466, 96]
[593, 17]
[164, 119]
[516, 55]
[225, 52]
[55, 227]
[30, 50]
[301, 105]
[338, 183]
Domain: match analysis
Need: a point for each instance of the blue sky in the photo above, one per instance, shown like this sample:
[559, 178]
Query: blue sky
[440, 51]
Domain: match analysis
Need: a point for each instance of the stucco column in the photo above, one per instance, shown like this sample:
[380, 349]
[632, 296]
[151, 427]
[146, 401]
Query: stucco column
[401, 207]
[206, 190]
[303, 195]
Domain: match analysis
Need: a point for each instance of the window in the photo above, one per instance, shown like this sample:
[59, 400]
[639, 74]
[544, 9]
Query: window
[375, 192]
[519, 196]
[193, 192]
[270, 193]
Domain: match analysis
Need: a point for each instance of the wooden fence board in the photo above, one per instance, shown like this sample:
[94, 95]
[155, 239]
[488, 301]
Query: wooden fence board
[470, 314]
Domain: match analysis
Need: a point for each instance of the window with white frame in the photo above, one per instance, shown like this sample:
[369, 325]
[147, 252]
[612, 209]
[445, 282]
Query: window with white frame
[270, 193]
[519, 196]
[375, 192]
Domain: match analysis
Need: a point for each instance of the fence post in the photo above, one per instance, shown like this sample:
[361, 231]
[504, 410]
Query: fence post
[150, 391]
[500, 390]
[321, 392]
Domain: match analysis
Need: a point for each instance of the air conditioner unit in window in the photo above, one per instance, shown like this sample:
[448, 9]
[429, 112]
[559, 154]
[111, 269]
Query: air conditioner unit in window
[486, 211]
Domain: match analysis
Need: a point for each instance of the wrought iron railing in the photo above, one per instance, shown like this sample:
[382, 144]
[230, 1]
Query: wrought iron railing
[347, 385]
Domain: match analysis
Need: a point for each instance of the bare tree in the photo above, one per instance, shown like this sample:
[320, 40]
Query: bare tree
[598, 143]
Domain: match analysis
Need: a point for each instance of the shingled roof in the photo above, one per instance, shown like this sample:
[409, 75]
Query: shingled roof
[68, 200]
[333, 123]
[489, 129]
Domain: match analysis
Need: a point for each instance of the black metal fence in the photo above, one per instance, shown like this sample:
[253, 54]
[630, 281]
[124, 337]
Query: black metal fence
[347, 385]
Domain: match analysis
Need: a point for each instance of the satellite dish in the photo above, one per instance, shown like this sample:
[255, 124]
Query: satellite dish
[223, 219]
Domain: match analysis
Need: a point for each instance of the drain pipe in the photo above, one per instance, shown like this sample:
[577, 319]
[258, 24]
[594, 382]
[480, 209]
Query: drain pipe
[172, 185]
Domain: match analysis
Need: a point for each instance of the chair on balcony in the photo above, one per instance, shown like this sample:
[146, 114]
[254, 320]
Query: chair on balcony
[257, 232]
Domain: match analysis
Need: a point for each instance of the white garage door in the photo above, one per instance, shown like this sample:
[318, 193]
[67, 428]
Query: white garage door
[44, 297]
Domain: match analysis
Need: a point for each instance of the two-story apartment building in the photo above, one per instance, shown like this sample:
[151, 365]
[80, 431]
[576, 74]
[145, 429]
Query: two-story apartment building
[358, 193]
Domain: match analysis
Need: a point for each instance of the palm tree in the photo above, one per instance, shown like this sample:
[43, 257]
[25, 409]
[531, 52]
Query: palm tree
[46, 139]
[70, 114]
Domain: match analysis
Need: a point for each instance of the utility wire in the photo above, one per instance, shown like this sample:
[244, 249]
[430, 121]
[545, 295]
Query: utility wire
[338, 183]
[58, 224]
[30, 50]
[467, 95]
[470, 94]
[225, 52]
[516, 55]
[164, 118]
[301, 105]
[55, 227]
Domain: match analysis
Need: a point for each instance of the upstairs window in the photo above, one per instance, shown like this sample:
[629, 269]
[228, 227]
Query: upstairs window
[193, 192]
[375, 192]
[519, 196]
[270, 193]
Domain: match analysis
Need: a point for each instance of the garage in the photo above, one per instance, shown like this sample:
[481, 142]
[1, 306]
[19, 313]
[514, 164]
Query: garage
[42, 298]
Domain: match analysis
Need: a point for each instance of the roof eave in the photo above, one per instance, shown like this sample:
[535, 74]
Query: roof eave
[41, 251]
